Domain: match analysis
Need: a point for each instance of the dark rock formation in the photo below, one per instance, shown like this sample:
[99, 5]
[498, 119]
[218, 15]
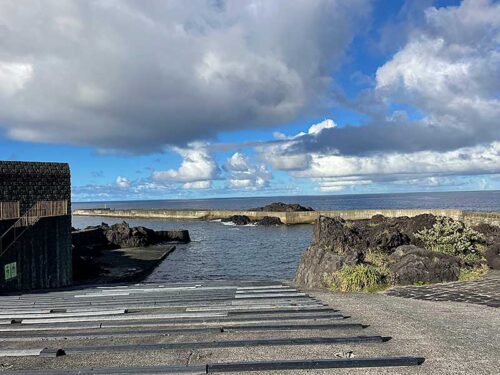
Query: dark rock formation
[92, 242]
[388, 240]
[282, 207]
[337, 242]
[122, 235]
[412, 264]
[269, 220]
[238, 220]
[492, 255]
[490, 232]
[334, 244]
[178, 236]
[90, 238]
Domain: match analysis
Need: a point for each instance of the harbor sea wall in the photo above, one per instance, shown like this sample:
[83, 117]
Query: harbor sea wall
[291, 218]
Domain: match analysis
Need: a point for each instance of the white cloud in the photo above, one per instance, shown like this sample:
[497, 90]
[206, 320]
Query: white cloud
[122, 182]
[139, 75]
[464, 161]
[318, 128]
[198, 185]
[244, 175]
[280, 156]
[197, 166]
[449, 70]
[14, 76]
[450, 67]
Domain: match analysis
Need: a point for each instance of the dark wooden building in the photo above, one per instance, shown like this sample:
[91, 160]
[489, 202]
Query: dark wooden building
[35, 225]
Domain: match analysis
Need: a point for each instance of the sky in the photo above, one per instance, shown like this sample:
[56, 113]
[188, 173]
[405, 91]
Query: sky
[211, 98]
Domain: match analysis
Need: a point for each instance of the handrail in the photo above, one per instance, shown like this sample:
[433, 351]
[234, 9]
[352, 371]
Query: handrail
[31, 217]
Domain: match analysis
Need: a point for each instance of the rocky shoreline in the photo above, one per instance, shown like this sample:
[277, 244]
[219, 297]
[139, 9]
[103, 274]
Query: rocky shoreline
[119, 253]
[353, 255]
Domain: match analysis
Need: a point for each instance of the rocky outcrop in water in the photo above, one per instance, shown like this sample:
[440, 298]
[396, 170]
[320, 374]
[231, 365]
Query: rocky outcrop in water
[245, 220]
[269, 221]
[238, 220]
[122, 235]
[91, 242]
[282, 207]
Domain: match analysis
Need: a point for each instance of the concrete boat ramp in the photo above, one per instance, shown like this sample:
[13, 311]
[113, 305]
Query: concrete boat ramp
[198, 327]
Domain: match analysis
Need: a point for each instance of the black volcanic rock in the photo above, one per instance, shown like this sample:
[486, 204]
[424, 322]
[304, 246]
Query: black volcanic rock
[492, 255]
[338, 242]
[92, 242]
[282, 207]
[269, 221]
[413, 264]
[238, 220]
[335, 244]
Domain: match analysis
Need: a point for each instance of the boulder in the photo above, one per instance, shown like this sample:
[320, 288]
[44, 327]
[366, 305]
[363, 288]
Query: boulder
[180, 236]
[92, 238]
[389, 240]
[335, 243]
[269, 220]
[105, 237]
[412, 264]
[282, 207]
[317, 263]
[492, 255]
[491, 233]
[122, 235]
[238, 220]
[337, 235]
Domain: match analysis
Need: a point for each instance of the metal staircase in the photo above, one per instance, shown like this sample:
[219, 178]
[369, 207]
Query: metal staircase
[29, 219]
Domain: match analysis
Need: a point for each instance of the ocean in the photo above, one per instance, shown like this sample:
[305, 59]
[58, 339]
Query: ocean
[221, 252]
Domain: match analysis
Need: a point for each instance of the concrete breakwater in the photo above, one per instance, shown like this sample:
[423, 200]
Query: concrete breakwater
[290, 218]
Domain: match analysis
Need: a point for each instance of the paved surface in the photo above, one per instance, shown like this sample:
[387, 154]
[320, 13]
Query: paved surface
[187, 328]
[485, 291]
[455, 338]
[129, 264]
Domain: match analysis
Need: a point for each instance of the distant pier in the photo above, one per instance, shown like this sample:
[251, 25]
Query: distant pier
[291, 218]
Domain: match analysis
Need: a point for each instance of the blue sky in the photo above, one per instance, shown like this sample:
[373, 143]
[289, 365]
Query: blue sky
[149, 100]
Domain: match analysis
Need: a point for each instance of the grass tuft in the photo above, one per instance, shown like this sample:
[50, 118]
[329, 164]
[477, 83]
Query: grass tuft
[357, 278]
[470, 274]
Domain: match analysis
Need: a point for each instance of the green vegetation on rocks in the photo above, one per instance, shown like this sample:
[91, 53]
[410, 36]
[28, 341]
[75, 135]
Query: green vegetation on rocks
[451, 237]
[472, 273]
[368, 255]
[357, 278]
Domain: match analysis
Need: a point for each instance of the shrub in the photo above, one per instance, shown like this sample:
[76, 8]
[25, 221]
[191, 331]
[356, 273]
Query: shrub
[472, 273]
[360, 277]
[451, 237]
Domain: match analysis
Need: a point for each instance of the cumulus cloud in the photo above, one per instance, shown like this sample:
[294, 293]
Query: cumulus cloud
[136, 76]
[448, 72]
[122, 182]
[196, 171]
[244, 175]
[282, 155]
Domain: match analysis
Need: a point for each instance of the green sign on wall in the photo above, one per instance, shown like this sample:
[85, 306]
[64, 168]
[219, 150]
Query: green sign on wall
[10, 271]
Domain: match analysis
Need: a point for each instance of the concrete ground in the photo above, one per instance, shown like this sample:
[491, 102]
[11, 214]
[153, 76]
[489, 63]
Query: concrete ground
[180, 324]
[454, 337]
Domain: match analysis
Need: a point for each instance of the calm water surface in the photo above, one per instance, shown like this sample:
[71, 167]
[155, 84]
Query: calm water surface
[228, 252]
